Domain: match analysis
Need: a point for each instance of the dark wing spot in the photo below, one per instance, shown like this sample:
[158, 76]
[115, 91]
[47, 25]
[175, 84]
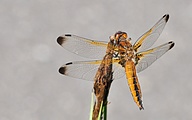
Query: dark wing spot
[69, 35]
[62, 70]
[166, 17]
[60, 40]
[172, 44]
[69, 63]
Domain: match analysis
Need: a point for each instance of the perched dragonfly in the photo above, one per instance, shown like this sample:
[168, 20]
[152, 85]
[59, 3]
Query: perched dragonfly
[127, 59]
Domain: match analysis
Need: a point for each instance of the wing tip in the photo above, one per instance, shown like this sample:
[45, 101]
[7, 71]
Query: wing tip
[62, 70]
[60, 40]
[166, 17]
[172, 44]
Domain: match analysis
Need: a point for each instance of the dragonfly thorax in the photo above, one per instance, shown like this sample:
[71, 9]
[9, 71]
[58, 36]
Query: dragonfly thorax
[125, 52]
[123, 49]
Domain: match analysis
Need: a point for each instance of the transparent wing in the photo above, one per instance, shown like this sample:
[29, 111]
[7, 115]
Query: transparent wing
[82, 46]
[149, 38]
[146, 58]
[86, 70]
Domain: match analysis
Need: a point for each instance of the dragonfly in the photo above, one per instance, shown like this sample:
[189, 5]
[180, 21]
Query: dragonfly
[128, 59]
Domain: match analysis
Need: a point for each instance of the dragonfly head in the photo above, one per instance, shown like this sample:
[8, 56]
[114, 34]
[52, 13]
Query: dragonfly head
[120, 36]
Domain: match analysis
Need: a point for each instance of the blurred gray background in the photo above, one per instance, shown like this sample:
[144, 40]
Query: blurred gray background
[31, 87]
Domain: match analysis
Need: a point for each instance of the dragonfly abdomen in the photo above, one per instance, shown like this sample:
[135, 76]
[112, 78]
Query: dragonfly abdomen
[133, 83]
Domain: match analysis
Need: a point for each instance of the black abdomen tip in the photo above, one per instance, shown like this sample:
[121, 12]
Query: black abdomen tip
[141, 108]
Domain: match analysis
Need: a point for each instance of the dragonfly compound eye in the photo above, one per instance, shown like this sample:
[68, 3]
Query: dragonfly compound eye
[124, 35]
[120, 35]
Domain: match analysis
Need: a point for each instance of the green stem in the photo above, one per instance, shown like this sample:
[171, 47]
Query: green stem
[105, 112]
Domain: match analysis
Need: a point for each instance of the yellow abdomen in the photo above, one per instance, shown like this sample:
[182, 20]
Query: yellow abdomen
[133, 83]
